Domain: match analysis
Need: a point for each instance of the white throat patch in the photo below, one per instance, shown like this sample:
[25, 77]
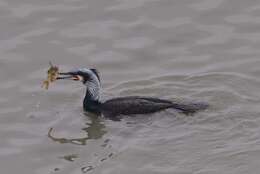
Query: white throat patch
[93, 84]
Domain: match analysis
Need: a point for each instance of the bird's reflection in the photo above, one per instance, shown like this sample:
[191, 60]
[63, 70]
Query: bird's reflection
[94, 130]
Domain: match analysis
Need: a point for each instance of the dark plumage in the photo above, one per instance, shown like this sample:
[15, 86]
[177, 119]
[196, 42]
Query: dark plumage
[124, 105]
[145, 105]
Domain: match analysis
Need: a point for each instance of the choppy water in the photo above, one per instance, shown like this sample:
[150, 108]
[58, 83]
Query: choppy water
[206, 50]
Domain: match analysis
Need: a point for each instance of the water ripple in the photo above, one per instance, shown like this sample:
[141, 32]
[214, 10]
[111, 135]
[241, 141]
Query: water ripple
[206, 50]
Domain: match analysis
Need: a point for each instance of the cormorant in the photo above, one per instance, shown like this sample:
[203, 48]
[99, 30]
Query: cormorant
[123, 105]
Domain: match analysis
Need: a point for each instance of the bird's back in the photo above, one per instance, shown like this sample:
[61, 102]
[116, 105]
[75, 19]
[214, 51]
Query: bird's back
[134, 105]
[144, 105]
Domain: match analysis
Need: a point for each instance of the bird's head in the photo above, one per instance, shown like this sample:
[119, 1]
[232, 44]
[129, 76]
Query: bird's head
[84, 75]
[89, 77]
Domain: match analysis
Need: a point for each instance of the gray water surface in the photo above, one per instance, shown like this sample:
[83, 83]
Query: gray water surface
[202, 50]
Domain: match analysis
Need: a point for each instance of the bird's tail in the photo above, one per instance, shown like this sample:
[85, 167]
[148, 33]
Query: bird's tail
[191, 107]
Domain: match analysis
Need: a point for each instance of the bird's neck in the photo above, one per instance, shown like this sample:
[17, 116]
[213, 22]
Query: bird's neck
[92, 98]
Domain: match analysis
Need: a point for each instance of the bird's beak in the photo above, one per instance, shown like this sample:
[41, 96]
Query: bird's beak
[69, 76]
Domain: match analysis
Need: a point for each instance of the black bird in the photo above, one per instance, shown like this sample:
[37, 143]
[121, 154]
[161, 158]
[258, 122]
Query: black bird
[123, 105]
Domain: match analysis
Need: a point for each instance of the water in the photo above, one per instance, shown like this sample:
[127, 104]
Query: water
[204, 50]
